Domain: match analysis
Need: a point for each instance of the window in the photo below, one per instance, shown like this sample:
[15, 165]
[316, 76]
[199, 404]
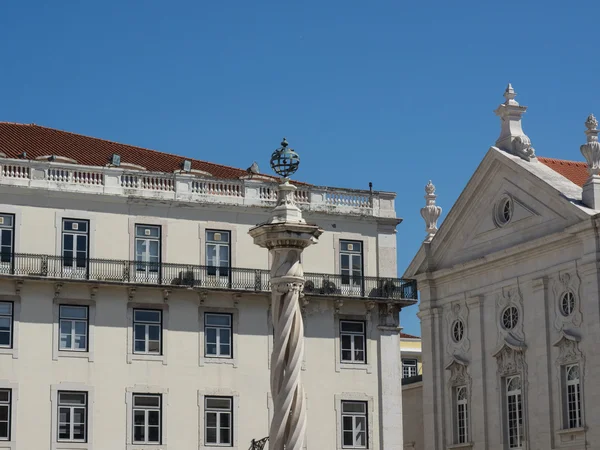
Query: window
[147, 418]
[514, 412]
[73, 322]
[567, 304]
[458, 330]
[510, 317]
[6, 324]
[462, 415]
[147, 249]
[504, 210]
[147, 331]
[352, 337]
[354, 424]
[72, 416]
[573, 396]
[217, 330]
[75, 241]
[409, 368]
[218, 420]
[218, 252]
[351, 263]
[7, 228]
[5, 413]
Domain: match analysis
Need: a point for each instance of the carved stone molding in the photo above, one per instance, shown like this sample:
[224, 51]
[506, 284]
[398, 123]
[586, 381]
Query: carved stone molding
[568, 348]
[459, 374]
[18, 286]
[337, 305]
[510, 358]
[131, 293]
[57, 288]
[563, 284]
[458, 312]
[93, 291]
[389, 315]
[166, 293]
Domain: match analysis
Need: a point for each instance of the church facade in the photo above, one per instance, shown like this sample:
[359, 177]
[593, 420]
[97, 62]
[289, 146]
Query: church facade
[509, 311]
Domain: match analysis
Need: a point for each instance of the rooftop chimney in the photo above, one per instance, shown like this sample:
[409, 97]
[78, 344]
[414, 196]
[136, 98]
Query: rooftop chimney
[512, 138]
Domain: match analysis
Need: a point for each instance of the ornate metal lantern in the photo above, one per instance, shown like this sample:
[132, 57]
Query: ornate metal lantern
[285, 161]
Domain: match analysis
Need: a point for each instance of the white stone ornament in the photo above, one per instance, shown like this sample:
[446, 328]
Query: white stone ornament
[512, 138]
[591, 150]
[431, 212]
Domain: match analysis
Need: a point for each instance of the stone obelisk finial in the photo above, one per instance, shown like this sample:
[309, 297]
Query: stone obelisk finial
[286, 234]
[591, 152]
[431, 212]
[512, 138]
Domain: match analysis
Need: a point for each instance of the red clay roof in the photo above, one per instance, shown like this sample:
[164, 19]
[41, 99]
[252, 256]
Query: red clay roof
[408, 336]
[573, 170]
[16, 138]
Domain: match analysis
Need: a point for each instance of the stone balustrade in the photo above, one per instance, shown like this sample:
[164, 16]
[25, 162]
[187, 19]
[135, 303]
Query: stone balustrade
[185, 187]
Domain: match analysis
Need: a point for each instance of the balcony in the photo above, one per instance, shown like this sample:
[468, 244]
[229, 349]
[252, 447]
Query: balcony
[168, 275]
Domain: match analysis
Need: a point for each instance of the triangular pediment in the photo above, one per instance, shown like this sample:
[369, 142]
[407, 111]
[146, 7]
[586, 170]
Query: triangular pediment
[476, 226]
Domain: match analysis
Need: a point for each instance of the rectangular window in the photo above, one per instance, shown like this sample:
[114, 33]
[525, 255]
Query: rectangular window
[354, 424]
[147, 331]
[73, 322]
[217, 335]
[353, 339]
[351, 263]
[514, 412]
[218, 420]
[147, 418]
[6, 324]
[5, 414]
[7, 235]
[75, 243]
[462, 415]
[147, 248]
[218, 253]
[409, 368]
[72, 416]
[573, 396]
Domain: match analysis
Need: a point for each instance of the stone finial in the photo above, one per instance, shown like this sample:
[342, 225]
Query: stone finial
[512, 138]
[591, 150]
[590, 195]
[431, 212]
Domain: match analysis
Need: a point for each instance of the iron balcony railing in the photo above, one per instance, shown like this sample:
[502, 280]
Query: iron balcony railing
[195, 276]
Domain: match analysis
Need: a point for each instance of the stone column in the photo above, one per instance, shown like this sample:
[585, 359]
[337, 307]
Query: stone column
[390, 370]
[286, 235]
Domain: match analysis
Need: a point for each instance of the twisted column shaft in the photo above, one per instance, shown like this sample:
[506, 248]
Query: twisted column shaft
[289, 407]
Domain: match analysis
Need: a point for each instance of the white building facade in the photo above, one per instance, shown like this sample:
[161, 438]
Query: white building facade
[509, 291]
[134, 306]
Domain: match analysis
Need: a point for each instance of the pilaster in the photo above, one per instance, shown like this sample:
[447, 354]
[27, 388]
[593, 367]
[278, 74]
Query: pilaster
[477, 367]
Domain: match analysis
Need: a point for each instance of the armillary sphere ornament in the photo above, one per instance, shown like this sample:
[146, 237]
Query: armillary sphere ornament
[284, 160]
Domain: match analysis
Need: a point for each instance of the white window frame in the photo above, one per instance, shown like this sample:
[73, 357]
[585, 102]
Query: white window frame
[354, 397]
[70, 214]
[354, 416]
[578, 410]
[8, 405]
[208, 309]
[14, 398]
[134, 356]
[353, 335]
[517, 396]
[72, 387]
[146, 411]
[351, 256]
[218, 245]
[11, 317]
[8, 264]
[218, 329]
[147, 324]
[73, 321]
[147, 390]
[13, 350]
[216, 392]
[462, 414]
[218, 412]
[76, 271]
[88, 354]
[72, 407]
[408, 363]
[370, 342]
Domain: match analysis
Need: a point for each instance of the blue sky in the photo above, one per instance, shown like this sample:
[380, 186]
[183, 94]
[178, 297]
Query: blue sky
[392, 92]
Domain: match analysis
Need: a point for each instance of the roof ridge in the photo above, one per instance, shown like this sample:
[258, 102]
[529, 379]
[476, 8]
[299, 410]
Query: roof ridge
[121, 143]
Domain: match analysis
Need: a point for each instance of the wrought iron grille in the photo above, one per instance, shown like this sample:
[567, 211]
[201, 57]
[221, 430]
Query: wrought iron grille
[258, 445]
[196, 276]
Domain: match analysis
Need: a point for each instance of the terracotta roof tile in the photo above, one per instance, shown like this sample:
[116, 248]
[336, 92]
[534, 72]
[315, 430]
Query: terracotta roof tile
[39, 141]
[575, 171]
[408, 336]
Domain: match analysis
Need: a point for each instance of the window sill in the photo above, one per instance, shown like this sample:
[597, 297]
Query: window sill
[9, 351]
[465, 446]
[146, 446]
[580, 430]
[354, 366]
[73, 354]
[12, 445]
[218, 360]
[142, 357]
[71, 446]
